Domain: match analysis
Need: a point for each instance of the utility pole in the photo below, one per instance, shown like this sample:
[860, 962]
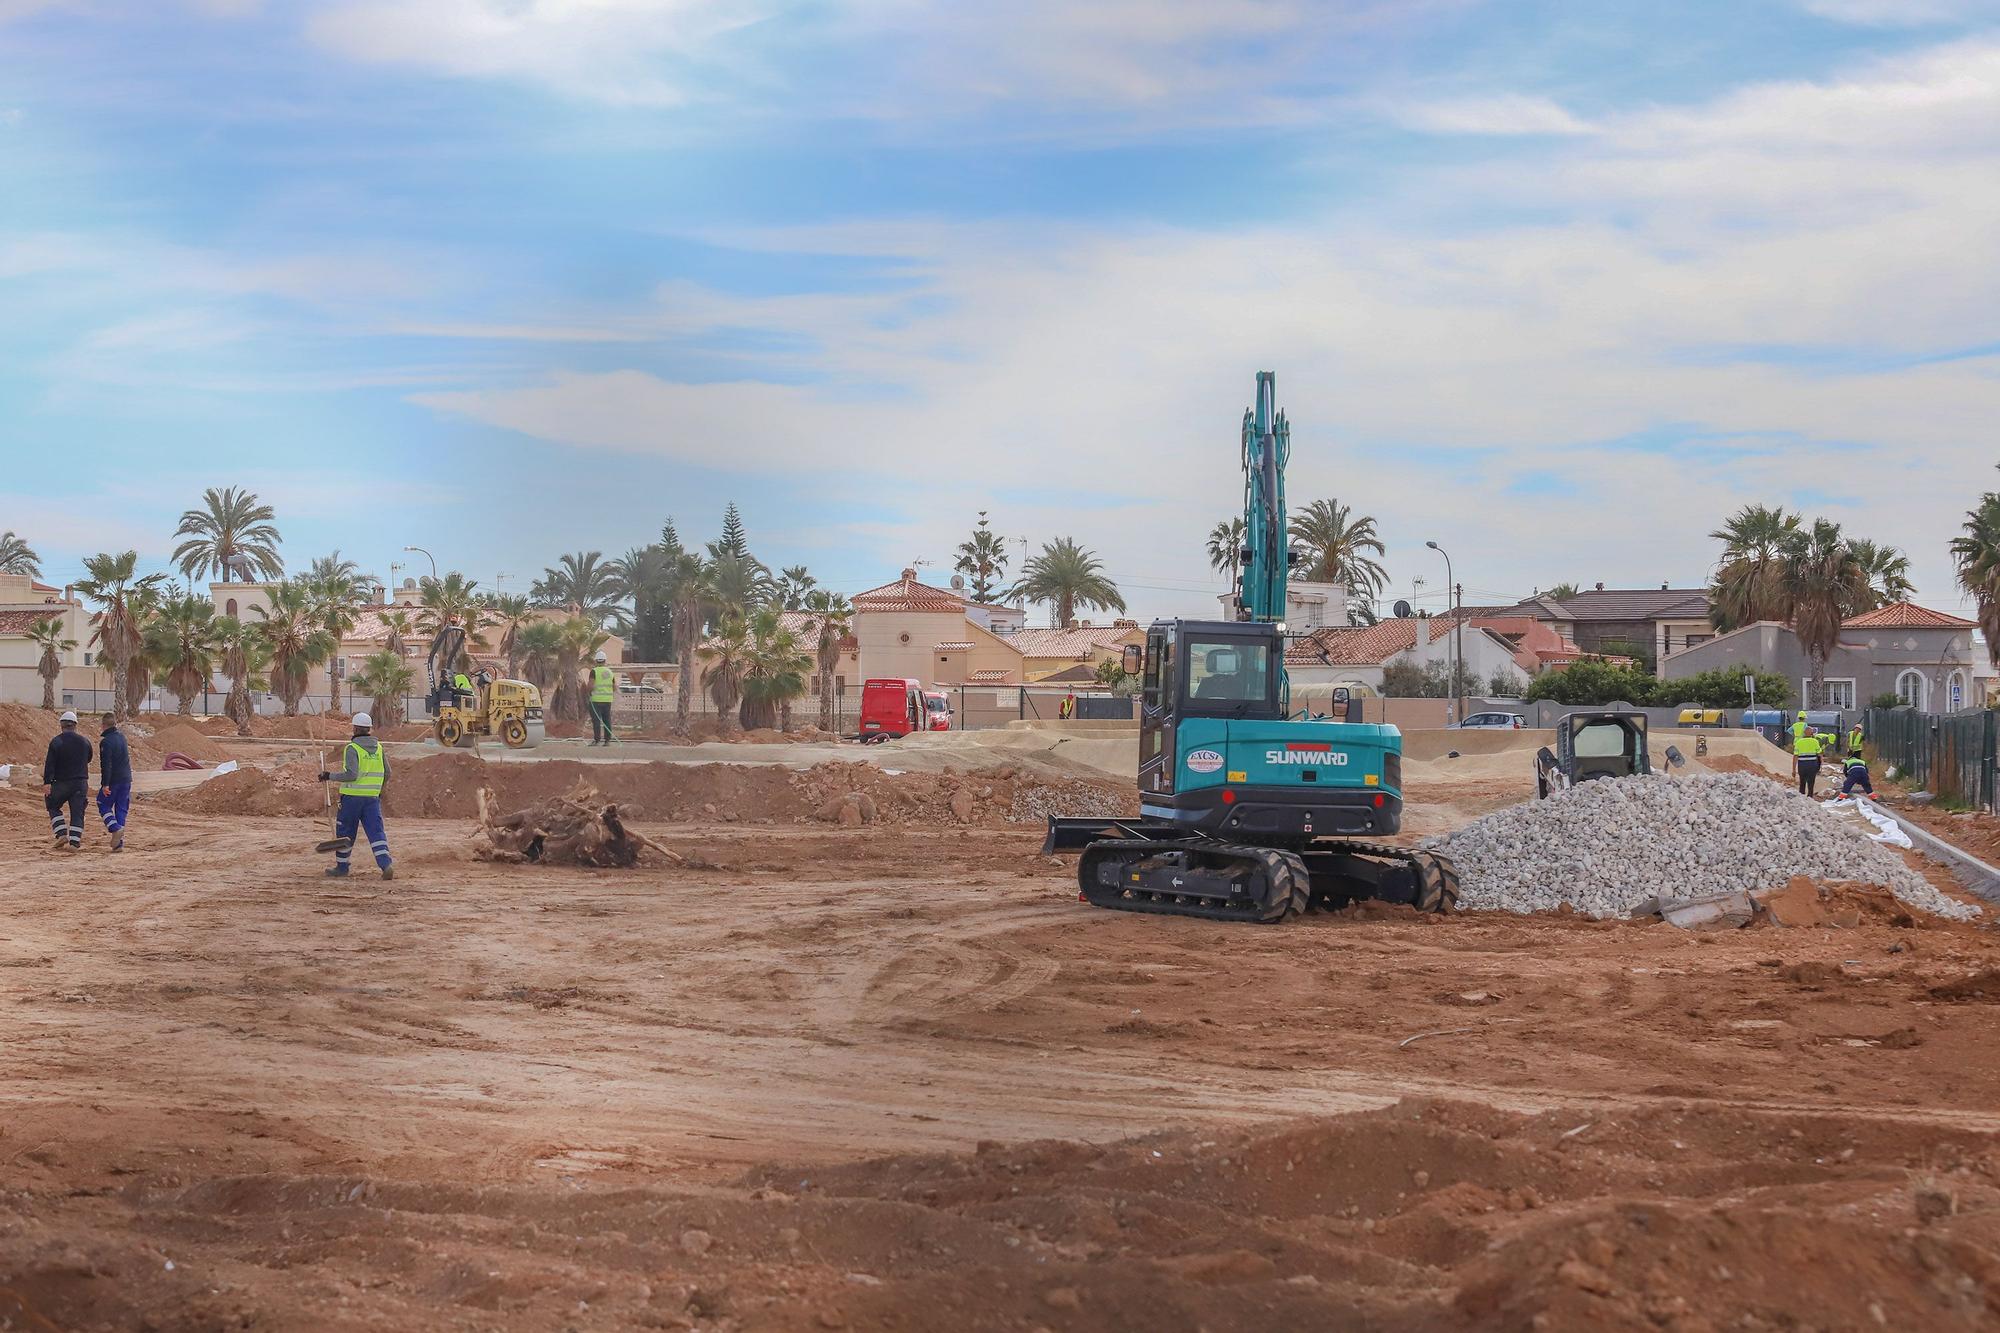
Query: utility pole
[1457, 630]
[1458, 637]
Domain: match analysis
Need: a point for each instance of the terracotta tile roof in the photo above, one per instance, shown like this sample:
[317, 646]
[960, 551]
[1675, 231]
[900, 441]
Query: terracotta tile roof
[906, 594]
[1362, 645]
[20, 622]
[1907, 615]
[1075, 643]
[990, 676]
[954, 646]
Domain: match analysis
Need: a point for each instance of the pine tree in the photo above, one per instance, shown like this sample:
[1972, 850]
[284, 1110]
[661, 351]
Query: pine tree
[733, 541]
[670, 539]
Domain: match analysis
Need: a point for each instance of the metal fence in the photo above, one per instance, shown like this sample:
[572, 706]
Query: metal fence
[1949, 754]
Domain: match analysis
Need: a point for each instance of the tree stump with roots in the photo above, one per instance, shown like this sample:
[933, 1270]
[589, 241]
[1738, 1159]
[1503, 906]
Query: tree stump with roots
[578, 829]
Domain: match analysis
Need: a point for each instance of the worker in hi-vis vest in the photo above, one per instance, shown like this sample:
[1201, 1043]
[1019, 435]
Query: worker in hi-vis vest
[603, 689]
[363, 773]
[461, 685]
[1805, 755]
[1854, 742]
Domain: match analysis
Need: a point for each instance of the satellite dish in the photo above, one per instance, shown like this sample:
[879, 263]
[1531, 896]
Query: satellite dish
[1402, 610]
[958, 583]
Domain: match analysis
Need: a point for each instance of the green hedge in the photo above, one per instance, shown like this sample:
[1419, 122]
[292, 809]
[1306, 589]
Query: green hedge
[1589, 683]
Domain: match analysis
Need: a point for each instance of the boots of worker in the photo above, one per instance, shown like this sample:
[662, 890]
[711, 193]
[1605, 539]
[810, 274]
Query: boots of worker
[118, 841]
[388, 872]
[336, 872]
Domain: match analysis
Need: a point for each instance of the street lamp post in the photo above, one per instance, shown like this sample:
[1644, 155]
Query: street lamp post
[428, 556]
[1455, 598]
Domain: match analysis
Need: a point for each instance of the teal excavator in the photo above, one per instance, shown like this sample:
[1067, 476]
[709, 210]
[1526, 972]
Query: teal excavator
[1247, 813]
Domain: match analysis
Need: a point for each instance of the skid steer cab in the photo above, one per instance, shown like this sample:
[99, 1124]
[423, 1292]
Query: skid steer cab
[508, 709]
[1608, 744]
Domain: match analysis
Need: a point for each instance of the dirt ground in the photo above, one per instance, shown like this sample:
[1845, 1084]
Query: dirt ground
[896, 1077]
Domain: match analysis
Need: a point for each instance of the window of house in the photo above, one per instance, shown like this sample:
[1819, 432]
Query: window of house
[1954, 690]
[229, 607]
[87, 658]
[1910, 687]
[1839, 693]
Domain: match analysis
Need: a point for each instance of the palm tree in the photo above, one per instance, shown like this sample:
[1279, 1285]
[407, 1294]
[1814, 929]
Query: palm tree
[452, 600]
[576, 639]
[387, 680]
[1337, 544]
[774, 673]
[182, 645]
[1888, 571]
[540, 645]
[832, 619]
[983, 559]
[582, 584]
[1823, 582]
[691, 592]
[640, 577]
[339, 590]
[296, 640]
[739, 581]
[1562, 592]
[1066, 576]
[112, 585]
[1747, 587]
[397, 623]
[17, 557]
[47, 634]
[232, 533]
[1225, 548]
[1976, 552]
[790, 589]
[512, 613]
[244, 657]
[726, 657]
[143, 607]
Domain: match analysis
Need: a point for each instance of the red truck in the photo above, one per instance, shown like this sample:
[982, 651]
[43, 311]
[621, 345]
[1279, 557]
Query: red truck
[897, 707]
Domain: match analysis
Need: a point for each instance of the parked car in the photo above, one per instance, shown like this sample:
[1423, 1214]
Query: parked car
[1490, 722]
[638, 687]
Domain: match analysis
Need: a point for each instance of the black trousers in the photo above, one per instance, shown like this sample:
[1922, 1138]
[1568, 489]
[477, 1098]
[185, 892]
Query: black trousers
[600, 720]
[1808, 775]
[67, 823]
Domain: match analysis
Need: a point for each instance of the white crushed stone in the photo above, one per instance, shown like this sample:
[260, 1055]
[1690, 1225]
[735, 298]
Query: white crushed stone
[1605, 846]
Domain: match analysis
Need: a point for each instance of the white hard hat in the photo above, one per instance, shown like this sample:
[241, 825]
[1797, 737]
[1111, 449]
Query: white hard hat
[71, 717]
[602, 658]
[363, 720]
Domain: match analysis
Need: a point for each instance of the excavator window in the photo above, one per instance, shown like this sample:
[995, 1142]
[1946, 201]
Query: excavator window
[1231, 673]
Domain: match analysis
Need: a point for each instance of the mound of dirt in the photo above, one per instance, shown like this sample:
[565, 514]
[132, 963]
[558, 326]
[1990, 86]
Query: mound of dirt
[152, 742]
[447, 786]
[25, 733]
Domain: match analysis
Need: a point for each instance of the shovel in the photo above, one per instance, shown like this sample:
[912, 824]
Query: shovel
[334, 844]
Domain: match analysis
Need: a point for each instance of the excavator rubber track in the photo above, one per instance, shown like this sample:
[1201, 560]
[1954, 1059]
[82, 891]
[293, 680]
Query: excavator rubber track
[1222, 881]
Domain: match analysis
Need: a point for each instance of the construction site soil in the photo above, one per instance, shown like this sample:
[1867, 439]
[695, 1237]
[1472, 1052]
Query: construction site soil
[895, 1077]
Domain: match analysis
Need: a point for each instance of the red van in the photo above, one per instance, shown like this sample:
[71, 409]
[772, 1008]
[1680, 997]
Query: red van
[892, 707]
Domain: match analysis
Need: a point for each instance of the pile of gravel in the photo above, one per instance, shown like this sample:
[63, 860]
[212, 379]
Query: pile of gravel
[1606, 846]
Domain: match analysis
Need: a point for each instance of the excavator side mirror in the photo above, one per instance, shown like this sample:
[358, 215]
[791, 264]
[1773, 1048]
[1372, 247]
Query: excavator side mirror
[1133, 660]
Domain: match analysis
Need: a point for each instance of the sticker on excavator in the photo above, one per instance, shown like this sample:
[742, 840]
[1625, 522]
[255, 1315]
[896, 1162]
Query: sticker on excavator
[1204, 761]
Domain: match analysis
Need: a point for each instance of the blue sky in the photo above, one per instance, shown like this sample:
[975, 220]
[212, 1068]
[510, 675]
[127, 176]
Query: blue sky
[1558, 285]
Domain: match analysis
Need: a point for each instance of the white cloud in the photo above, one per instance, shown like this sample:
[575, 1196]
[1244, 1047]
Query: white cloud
[1505, 115]
[1425, 364]
[1903, 13]
[623, 51]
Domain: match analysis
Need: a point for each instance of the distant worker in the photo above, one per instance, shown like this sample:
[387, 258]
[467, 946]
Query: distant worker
[603, 689]
[461, 685]
[1067, 708]
[1854, 741]
[1854, 775]
[66, 782]
[114, 781]
[364, 772]
[1805, 755]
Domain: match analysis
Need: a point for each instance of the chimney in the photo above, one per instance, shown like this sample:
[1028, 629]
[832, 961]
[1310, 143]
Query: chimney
[909, 575]
[1600, 587]
[1663, 585]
